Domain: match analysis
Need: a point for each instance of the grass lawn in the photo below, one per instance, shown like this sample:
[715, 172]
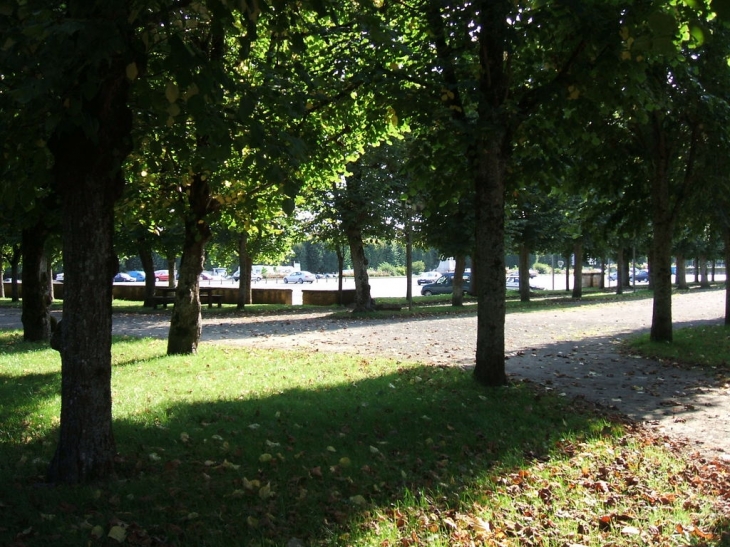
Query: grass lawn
[242, 447]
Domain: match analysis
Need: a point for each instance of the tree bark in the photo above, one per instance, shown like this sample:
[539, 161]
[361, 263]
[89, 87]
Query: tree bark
[186, 323]
[36, 315]
[244, 268]
[148, 265]
[363, 300]
[680, 278]
[171, 273]
[578, 269]
[489, 263]
[704, 275]
[567, 272]
[661, 250]
[87, 172]
[340, 268]
[14, 262]
[457, 294]
[620, 270]
[726, 234]
[524, 273]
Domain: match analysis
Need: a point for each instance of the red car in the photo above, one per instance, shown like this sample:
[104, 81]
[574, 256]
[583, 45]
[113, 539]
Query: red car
[162, 275]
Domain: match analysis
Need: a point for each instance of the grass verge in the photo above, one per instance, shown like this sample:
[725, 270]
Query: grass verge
[246, 447]
[706, 347]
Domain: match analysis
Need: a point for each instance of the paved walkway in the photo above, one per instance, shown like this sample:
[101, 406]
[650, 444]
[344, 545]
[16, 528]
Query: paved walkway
[572, 350]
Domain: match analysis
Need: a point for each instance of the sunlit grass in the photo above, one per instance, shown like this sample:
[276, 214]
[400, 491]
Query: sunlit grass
[249, 447]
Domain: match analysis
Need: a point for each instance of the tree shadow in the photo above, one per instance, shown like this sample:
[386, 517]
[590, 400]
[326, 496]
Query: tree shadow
[304, 463]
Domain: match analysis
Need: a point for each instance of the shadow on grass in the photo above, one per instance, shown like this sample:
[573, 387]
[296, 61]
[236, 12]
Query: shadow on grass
[311, 463]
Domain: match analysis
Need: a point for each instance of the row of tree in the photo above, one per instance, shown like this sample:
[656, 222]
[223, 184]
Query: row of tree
[165, 121]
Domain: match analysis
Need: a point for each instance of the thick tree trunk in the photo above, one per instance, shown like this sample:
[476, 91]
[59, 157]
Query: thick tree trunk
[602, 281]
[363, 300]
[524, 270]
[148, 265]
[36, 315]
[488, 263]
[578, 269]
[661, 251]
[186, 323]
[86, 170]
[409, 264]
[704, 274]
[244, 268]
[457, 294]
[680, 278]
[567, 272]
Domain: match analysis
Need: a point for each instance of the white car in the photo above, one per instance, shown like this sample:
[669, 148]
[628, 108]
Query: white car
[513, 282]
[428, 277]
[299, 277]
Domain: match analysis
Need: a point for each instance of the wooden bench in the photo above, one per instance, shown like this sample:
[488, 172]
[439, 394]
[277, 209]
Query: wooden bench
[211, 298]
[163, 301]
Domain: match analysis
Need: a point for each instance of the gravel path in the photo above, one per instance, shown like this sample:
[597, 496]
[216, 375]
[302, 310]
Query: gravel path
[571, 350]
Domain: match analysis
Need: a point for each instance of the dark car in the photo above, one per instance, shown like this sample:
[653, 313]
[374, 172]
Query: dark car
[641, 275]
[445, 285]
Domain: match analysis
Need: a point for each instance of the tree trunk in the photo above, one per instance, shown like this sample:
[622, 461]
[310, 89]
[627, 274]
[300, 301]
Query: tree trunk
[171, 273]
[578, 269]
[186, 323]
[363, 300]
[661, 251]
[87, 172]
[602, 282]
[620, 270]
[680, 278]
[457, 293]
[567, 272]
[244, 270]
[340, 268]
[36, 316]
[2, 276]
[704, 277]
[148, 265]
[409, 262]
[726, 234]
[697, 270]
[524, 273]
[488, 263]
[14, 262]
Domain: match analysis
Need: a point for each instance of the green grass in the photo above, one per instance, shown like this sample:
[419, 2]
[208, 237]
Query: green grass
[247, 447]
[706, 346]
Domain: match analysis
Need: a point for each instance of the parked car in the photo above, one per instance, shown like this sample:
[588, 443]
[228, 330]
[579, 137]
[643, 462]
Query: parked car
[641, 275]
[445, 285]
[299, 277]
[123, 277]
[428, 277]
[138, 275]
[59, 277]
[162, 275]
[254, 276]
[513, 283]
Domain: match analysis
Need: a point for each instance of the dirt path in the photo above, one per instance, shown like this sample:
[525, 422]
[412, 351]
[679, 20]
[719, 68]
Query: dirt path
[571, 350]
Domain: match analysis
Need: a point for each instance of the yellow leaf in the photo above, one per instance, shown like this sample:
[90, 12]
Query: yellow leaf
[132, 71]
[227, 465]
[252, 522]
[344, 462]
[265, 491]
[331, 449]
[97, 531]
[358, 500]
[184, 437]
[118, 533]
[172, 92]
[265, 458]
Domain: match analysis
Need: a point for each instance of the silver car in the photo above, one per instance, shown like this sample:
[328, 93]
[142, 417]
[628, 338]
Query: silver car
[300, 277]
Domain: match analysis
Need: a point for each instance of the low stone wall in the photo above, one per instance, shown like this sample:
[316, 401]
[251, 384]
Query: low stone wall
[135, 293]
[327, 298]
